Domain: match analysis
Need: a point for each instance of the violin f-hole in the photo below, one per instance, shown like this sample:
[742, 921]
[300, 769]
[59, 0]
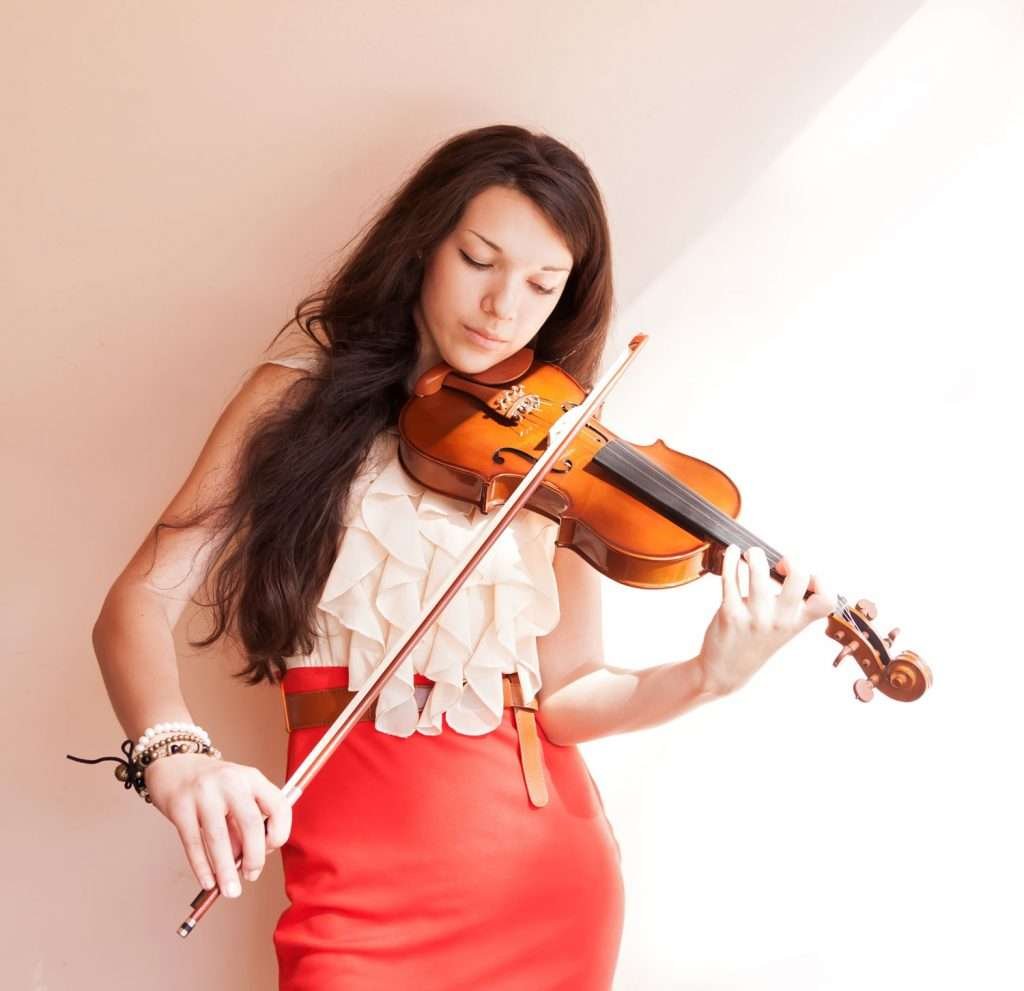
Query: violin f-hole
[498, 459]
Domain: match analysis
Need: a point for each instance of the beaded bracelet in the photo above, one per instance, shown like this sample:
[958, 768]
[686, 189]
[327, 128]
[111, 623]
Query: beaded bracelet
[132, 770]
[160, 729]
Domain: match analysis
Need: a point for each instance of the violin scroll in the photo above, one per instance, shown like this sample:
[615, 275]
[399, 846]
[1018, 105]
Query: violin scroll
[904, 677]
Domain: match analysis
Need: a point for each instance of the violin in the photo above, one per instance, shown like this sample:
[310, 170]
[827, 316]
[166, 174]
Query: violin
[643, 515]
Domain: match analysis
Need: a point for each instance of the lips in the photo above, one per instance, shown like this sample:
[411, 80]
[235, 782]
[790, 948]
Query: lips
[484, 333]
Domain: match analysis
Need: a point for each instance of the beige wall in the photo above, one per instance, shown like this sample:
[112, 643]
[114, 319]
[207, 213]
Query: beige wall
[810, 204]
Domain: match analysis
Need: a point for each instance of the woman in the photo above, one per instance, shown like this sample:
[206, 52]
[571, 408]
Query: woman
[456, 839]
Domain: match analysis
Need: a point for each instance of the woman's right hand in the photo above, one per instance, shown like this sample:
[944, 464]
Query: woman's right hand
[218, 809]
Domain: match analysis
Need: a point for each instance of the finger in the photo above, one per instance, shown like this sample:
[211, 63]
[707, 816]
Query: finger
[730, 578]
[213, 822]
[821, 603]
[793, 588]
[761, 591]
[186, 822]
[275, 806]
[247, 818]
[235, 835]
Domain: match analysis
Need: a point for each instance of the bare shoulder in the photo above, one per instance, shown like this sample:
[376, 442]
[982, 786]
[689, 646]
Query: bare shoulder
[170, 564]
[267, 383]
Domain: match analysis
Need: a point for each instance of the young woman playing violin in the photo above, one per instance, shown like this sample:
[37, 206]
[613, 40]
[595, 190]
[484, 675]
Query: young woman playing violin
[456, 839]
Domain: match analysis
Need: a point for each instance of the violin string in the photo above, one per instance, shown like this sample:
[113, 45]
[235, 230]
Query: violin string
[671, 488]
[656, 476]
[719, 524]
[702, 511]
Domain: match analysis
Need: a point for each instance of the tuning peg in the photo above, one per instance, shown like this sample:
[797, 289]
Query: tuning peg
[890, 636]
[867, 607]
[863, 688]
[845, 652]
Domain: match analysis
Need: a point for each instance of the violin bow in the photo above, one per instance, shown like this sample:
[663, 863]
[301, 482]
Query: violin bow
[561, 434]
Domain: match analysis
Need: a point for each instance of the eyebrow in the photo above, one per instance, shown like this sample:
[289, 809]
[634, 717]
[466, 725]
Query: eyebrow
[546, 268]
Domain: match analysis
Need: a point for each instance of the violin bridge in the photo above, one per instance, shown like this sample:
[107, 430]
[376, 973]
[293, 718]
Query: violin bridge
[514, 403]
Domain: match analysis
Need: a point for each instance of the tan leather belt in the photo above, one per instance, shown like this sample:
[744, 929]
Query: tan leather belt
[320, 708]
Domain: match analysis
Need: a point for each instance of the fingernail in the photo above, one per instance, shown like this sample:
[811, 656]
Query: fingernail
[252, 875]
[234, 889]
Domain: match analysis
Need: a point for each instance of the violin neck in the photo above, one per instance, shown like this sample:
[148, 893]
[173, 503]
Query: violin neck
[650, 484]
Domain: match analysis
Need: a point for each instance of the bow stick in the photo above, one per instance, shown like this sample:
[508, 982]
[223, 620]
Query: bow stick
[560, 436]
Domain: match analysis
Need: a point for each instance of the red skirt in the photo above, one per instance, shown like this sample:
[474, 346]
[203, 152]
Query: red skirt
[420, 862]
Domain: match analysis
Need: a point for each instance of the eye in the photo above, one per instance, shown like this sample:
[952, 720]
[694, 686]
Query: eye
[540, 289]
[471, 262]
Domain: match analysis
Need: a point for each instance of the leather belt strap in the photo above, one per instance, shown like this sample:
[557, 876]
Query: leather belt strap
[303, 710]
[531, 755]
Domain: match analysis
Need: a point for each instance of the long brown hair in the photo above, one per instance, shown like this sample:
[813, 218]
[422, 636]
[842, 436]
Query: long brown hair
[277, 534]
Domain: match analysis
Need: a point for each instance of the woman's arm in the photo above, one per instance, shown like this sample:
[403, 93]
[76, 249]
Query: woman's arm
[216, 806]
[133, 635]
[582, 697]
[134, 647]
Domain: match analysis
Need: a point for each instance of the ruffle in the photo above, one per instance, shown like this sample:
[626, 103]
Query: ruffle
[400, 543]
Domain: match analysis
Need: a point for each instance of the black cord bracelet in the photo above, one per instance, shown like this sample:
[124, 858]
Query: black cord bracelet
[132, 769]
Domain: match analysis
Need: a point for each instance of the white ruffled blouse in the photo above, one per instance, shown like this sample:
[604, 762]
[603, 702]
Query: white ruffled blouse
[399, 543]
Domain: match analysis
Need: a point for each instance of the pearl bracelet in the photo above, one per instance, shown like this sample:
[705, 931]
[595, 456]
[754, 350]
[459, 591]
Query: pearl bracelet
[160, 729]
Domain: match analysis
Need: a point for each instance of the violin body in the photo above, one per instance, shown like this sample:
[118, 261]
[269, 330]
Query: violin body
[452, 443]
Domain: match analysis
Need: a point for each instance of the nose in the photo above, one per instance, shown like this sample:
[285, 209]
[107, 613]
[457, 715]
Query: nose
[501, 301]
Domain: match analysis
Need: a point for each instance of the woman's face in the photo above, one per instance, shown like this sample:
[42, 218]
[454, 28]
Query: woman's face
[500, 271]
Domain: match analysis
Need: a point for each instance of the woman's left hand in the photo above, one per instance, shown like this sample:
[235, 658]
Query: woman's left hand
[746, 631]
